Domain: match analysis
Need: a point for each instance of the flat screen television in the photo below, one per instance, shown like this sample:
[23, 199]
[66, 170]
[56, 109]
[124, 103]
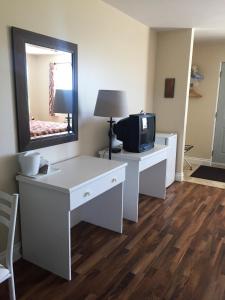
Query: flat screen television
[137, 132]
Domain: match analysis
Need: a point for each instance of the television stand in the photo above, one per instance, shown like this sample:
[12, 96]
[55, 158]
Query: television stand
[145, 174]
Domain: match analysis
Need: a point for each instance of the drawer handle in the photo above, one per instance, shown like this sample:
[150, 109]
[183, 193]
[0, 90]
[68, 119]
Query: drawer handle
[114, 180]
[86, 194]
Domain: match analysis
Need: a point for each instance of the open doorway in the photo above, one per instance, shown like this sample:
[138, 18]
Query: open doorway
[202, 117]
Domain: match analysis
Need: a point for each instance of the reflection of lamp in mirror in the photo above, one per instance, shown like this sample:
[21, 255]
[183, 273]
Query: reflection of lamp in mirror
[63, 104]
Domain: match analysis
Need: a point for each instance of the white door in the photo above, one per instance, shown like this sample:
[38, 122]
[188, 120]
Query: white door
[219, 137]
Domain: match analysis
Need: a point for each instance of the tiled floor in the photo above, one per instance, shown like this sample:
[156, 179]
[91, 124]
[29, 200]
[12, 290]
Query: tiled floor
[188, 178]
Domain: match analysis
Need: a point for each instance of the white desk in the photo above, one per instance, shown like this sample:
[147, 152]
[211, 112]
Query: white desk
[145, 174]
[89, 186]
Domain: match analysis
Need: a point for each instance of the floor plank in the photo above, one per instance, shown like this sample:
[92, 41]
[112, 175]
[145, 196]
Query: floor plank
[175, 251]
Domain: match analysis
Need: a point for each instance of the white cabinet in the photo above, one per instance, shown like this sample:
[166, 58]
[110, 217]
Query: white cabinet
[170, 140]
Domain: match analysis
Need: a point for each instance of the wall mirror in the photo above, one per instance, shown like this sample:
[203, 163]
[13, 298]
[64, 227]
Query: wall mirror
[45, 72]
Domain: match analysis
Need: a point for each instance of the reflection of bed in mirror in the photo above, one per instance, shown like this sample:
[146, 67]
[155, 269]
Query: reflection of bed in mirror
[42, 128]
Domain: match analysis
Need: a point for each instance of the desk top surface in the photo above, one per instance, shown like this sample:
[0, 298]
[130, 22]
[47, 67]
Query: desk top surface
[138, 156]
[75, 172]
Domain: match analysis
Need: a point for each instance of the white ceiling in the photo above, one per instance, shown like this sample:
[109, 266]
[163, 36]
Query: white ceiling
[38, 50]
[178, 14]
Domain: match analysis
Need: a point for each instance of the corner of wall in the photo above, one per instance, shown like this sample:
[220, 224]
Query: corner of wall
[173, 62]
[179, 176]
[150, 76]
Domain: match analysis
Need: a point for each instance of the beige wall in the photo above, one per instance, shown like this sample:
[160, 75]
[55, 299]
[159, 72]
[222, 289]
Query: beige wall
[174, 52]
[112, 54]
[152, 51]
[38, 86]
[201, 112]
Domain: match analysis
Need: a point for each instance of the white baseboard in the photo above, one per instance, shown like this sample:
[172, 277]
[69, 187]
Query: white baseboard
[198, 161]
[179, 176]
[16, 253]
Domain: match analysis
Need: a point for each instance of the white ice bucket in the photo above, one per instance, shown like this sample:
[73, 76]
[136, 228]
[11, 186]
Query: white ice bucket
[29, 163]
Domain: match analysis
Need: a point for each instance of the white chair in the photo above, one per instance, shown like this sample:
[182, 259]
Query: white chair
[8, 211]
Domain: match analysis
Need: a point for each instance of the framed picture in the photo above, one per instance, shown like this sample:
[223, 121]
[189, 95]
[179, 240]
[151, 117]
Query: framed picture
[169, 88]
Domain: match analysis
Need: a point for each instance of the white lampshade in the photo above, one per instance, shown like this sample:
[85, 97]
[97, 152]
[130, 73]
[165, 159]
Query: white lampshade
[63, 101]
[111, 103]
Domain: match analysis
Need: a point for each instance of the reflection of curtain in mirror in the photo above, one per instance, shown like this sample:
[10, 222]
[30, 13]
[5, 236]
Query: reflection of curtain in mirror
[51, 89]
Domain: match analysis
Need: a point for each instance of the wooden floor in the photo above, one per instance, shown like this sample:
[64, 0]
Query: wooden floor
[176, 251]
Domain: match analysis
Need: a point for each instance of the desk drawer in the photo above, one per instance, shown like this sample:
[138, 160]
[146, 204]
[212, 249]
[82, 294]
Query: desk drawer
[152, 160]
[95, 188]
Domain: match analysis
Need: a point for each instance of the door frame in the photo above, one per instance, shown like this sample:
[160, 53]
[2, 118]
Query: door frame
[215, 115]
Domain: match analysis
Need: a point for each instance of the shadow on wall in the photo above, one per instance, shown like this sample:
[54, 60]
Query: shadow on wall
[9, 168]
[3, 235]
[93, 135]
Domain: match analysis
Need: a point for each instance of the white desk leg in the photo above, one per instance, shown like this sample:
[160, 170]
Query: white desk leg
[106, 210]
[45, 223]
[153, 181]
[131, 192]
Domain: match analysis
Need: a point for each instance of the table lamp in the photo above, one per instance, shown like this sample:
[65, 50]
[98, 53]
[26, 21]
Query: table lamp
[63, 104]
[112, 104]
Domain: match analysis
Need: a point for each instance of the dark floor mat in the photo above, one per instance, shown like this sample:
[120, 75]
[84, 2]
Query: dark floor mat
[210, 173]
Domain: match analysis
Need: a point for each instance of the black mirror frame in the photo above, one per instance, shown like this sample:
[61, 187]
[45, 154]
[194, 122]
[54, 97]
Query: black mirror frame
[19, 38]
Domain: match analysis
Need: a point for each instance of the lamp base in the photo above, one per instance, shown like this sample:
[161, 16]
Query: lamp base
[110, 136]
[69, 129]
[116, 149]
